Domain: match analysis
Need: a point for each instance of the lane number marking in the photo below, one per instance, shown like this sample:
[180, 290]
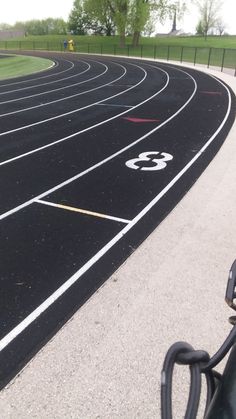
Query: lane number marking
[150, 156]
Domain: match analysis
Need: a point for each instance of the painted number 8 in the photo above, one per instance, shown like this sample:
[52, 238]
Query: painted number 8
[158, 163]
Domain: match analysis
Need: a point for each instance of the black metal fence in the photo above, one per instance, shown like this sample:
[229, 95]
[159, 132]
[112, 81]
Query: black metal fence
[220, 58]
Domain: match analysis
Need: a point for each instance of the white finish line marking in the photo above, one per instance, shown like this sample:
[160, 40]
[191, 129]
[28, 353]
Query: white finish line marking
[82, 211]
[74, 278]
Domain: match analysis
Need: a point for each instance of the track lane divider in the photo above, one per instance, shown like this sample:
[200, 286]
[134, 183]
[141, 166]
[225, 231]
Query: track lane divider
[86, 129]
[42, 77]
[60, 100]
[107, 159]
[42, 84]
[55, 90]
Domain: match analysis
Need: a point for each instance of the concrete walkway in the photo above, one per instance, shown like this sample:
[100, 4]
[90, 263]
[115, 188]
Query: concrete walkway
[106, 362]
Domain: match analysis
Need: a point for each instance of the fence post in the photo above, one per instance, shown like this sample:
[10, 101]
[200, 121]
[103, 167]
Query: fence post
[223, 60]
[181, 55]
[209, 58]
[168, 53]
[235, 64]
[195, 56]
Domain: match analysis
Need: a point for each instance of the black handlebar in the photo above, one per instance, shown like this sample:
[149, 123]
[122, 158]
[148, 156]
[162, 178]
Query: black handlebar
[230, 295]
[221, 389]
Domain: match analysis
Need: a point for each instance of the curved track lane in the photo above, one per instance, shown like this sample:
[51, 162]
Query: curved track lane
[94, 153]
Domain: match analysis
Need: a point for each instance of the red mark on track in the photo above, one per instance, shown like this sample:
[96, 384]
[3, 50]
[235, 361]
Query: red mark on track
[211, 93]
[139, 120]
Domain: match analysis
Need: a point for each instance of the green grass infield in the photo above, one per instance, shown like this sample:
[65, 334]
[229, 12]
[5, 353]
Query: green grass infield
[19, 65]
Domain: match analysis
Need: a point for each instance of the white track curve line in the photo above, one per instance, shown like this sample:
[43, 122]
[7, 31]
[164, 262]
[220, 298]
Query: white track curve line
[33, 79]
[95, 166]
[55, 65]
[41, 84]
[66, 97]
[53, 90]
[56, 81]
[74, 110]
[74, 278]
[92, 126]
[42, 77]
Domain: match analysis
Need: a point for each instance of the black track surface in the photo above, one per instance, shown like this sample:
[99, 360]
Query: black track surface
[66, 136]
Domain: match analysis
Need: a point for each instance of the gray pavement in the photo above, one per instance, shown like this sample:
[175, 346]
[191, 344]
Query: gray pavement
[106, 361]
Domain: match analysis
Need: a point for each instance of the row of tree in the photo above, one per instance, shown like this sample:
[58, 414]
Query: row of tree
[209, 11]
[124, 17]
[121, 16]
[48, 26]
[140, 16]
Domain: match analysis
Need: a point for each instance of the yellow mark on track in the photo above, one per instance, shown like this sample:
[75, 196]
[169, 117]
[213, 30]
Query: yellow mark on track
[82, 211]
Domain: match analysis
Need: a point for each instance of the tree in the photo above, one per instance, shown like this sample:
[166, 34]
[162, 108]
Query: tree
[133, 16]
[5, 27]
[19, 26]
[35, 27]
[101, 15]
[199, 29]
[208, 10]
[78, 21]
[220, 26]
[119, 10]
[139, 15]
[55, 26]
[113, 14]
[48, 26]
[110, 13]
[150, 25]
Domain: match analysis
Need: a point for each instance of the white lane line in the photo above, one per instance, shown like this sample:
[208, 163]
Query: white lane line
[55, 90]
[42, 77]
[92, 126]
[83, 211]
[74, 278]
[42, 84]
[62, 99]
[95, 166]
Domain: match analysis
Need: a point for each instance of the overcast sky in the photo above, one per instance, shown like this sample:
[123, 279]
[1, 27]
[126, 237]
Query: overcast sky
[22, 10]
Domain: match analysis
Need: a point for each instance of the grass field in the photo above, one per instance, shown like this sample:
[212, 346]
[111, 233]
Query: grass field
[13, 66]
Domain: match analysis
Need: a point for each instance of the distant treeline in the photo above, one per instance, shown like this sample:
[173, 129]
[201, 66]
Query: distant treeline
[48, 26]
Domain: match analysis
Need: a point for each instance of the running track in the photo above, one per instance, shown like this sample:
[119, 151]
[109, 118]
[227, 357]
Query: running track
[94, 153]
